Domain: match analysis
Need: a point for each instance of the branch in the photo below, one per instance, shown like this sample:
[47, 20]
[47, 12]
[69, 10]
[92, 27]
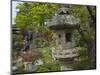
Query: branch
[91, 14]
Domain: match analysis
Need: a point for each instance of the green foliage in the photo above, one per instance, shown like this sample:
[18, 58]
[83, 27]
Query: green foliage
[49, 67]
[83, 60]
[49, 64]
[83, 52]
[46, 55]
[83, 14]
[34, 14]
[76, 38]
[83, 65]
[88, 29]
[17, 42]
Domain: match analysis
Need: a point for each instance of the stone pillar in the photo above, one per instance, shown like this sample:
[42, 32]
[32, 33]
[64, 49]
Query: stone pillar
[66, 66]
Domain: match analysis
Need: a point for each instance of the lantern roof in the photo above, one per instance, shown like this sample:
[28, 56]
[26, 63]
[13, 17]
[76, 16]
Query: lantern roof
[63, 19]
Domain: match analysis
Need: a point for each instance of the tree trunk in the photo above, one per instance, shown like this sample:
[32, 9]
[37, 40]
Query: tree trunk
[91, 47]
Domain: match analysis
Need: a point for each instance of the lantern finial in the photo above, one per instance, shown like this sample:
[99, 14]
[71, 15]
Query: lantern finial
[64, 9]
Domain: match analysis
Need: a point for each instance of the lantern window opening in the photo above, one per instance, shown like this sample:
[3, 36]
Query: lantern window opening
[59, 35]
[68, 37]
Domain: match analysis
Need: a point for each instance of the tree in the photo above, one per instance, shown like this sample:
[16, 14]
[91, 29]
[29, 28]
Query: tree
[34, 16]
[87, 15]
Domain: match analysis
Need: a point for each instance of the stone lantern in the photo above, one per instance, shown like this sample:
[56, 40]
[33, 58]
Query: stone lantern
[64, 24]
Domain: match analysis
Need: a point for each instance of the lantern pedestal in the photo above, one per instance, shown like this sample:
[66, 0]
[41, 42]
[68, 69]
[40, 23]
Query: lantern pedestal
[65, 67]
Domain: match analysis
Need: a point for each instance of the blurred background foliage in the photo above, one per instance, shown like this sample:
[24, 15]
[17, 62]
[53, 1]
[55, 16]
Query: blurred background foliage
[34, 16]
